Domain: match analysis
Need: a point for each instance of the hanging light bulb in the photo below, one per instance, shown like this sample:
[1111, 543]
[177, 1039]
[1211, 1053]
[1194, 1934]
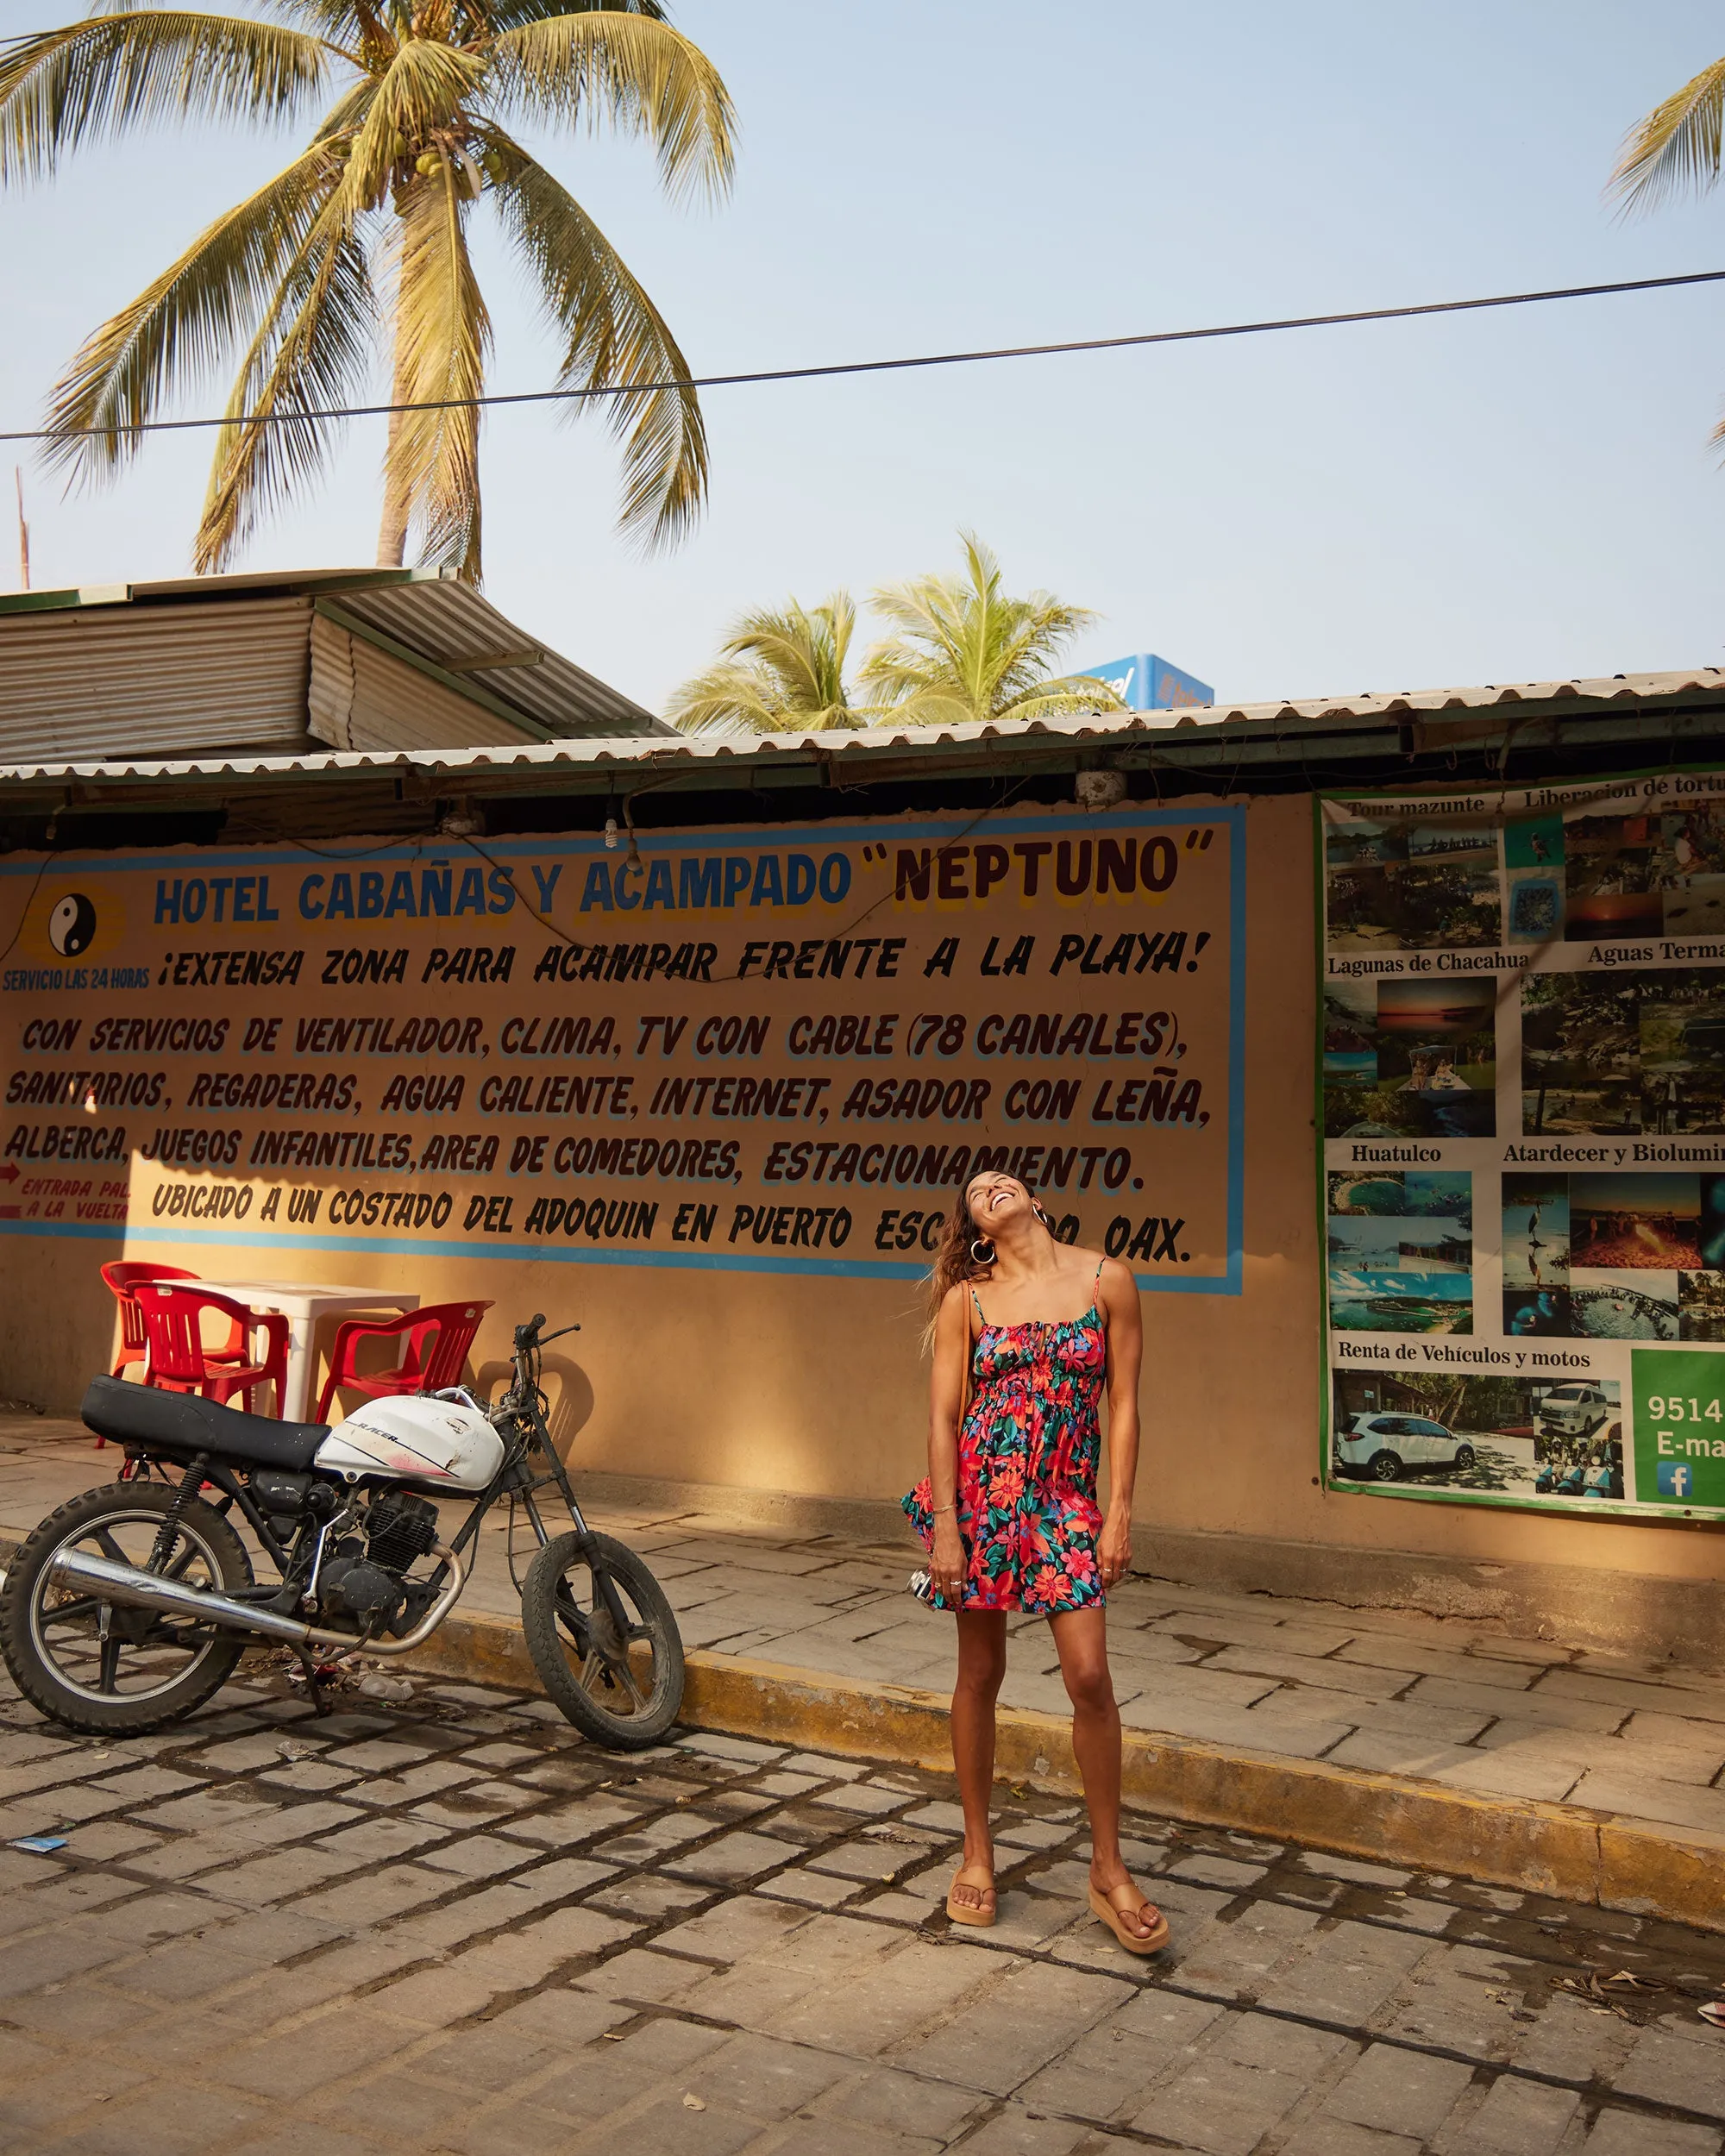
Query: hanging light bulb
[611, 834]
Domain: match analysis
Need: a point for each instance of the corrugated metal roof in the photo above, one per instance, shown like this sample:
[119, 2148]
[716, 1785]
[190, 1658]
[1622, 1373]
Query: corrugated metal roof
[427, 615]
[1433, 715]
[451, 624]
[171, 677]
[1606, 689]
[365, 696]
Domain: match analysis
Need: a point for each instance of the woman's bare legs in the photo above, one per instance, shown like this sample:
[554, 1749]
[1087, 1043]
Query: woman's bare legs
[981, 1665]
[1082, 1642]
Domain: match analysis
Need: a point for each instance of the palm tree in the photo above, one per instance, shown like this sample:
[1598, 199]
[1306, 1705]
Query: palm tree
[965, 651]
[781, 672]
[1675, 147]
[369, 225]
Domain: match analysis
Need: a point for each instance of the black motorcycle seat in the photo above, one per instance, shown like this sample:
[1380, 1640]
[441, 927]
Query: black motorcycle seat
[185, 1423]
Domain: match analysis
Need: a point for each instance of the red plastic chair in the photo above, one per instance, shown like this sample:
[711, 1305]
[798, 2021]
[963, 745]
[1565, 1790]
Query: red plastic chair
[122, 1278]
[438, 1338]
[179, 1361]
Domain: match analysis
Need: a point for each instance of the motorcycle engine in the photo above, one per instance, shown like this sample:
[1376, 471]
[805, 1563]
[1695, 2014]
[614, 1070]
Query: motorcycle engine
[400, 1528]
[364, 1581]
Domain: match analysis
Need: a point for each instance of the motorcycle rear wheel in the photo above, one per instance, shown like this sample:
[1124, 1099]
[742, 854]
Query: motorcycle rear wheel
[96, 1667]
[620, 1684]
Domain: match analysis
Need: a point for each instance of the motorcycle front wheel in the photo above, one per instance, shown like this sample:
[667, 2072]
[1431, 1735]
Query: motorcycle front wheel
[604, 1640]
[98, 1667]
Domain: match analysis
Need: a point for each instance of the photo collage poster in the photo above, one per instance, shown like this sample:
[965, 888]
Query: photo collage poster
[1522, 1083]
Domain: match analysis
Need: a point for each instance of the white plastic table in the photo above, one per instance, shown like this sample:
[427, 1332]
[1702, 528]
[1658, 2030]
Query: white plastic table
[304, 1304]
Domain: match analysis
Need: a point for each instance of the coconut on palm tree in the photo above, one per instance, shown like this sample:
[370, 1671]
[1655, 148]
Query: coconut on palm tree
[965, 651]
[1674, 148]
[781, 671]
[363, 241]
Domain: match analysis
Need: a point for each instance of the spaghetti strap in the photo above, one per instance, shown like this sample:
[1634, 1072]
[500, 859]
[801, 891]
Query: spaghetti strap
[979, 1307]
[1101, 1262]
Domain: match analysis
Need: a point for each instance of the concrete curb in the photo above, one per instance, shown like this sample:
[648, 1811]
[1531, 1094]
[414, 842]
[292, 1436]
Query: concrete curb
[1635, 1865]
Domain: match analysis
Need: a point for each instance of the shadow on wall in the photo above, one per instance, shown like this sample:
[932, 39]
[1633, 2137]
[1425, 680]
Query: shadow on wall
[569, 1391]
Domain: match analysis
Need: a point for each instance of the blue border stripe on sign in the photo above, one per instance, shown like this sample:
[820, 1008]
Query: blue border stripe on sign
[401, 1246]
[682, 842]
[1236, 1230]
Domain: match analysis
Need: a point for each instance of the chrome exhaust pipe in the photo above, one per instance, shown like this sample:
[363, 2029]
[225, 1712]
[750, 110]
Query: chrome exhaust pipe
[428, 1624]
[135, 1590]
[132, 1588]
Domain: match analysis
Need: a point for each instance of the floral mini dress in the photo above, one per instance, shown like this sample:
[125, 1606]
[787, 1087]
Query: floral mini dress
[1027, 1458]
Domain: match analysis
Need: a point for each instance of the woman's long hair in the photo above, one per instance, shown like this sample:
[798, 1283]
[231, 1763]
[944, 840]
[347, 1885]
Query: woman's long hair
[953, 1263]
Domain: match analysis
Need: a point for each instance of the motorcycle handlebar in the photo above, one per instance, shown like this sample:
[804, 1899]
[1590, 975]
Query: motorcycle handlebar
[528, 1336]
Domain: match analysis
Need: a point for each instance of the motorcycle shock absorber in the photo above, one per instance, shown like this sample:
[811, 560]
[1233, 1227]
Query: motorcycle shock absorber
[188, 1489]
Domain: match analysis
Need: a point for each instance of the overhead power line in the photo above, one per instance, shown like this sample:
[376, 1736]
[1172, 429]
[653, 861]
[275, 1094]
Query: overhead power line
[875, 366]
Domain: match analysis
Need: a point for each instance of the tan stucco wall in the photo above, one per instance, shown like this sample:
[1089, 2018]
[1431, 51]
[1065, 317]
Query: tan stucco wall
[813, 1386]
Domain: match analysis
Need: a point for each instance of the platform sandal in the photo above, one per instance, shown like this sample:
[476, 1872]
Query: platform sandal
[963, 1913]
[1113, 1911]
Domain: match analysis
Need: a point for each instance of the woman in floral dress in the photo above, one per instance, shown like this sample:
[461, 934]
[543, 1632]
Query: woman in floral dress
[1026, 1334]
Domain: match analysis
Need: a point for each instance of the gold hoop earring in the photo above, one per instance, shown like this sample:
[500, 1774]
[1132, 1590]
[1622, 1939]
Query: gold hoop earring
[982, 1252]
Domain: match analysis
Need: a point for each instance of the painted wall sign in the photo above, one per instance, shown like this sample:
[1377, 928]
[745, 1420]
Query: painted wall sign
[764, 1049]
[1523, 1173]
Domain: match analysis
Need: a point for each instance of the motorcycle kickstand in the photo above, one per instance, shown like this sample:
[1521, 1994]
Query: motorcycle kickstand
[314, 1690]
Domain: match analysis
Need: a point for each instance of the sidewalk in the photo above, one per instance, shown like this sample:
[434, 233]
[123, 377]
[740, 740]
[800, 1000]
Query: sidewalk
[1381, 1734]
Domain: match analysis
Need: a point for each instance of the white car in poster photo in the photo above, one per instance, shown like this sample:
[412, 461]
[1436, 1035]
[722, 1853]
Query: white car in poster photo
[1383, 1448]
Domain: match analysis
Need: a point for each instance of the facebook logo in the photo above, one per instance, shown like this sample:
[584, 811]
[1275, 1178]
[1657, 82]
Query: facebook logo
[1675, 1479]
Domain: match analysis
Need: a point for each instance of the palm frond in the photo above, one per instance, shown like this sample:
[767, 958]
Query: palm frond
[285, 277]
[782, 671]
[965, 650]
[805, 647]
[730, 697]
[727, 697]
[510, 14]
[1073, 693]
[185, 324]
[421, 89]
[613, 336]
[334, 19]
[1026, 634]
[633, 70]
[313, 349]
[94, 80]
[927, 705]
[443, 337]
[1676, 148]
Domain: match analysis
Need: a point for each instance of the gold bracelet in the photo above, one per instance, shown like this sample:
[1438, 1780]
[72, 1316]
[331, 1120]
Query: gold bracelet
[953, 1506]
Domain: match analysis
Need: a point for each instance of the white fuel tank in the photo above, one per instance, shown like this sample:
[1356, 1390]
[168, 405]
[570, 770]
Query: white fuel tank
[417, 1439]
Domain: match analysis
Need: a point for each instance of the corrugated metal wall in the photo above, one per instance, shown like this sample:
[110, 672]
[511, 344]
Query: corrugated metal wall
[155, 680]
[363, 698]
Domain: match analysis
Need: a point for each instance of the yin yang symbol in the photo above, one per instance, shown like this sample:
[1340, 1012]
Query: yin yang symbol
[71, 926]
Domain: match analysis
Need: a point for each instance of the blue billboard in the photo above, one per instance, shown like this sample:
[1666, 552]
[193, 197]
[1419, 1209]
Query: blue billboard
[1145, 683]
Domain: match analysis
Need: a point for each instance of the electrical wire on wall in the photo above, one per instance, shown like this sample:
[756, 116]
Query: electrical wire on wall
[633, 858]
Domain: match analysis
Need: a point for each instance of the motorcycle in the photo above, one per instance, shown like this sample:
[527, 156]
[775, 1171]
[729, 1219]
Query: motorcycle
[129, 1606]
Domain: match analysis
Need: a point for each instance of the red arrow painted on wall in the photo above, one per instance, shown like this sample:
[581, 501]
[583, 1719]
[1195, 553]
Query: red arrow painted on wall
[9, 1174]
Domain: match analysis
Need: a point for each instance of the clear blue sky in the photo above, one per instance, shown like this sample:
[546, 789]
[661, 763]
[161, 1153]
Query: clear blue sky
[1495, 498]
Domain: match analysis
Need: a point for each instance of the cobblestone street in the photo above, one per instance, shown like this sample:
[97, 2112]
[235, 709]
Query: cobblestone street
[452, 1926]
